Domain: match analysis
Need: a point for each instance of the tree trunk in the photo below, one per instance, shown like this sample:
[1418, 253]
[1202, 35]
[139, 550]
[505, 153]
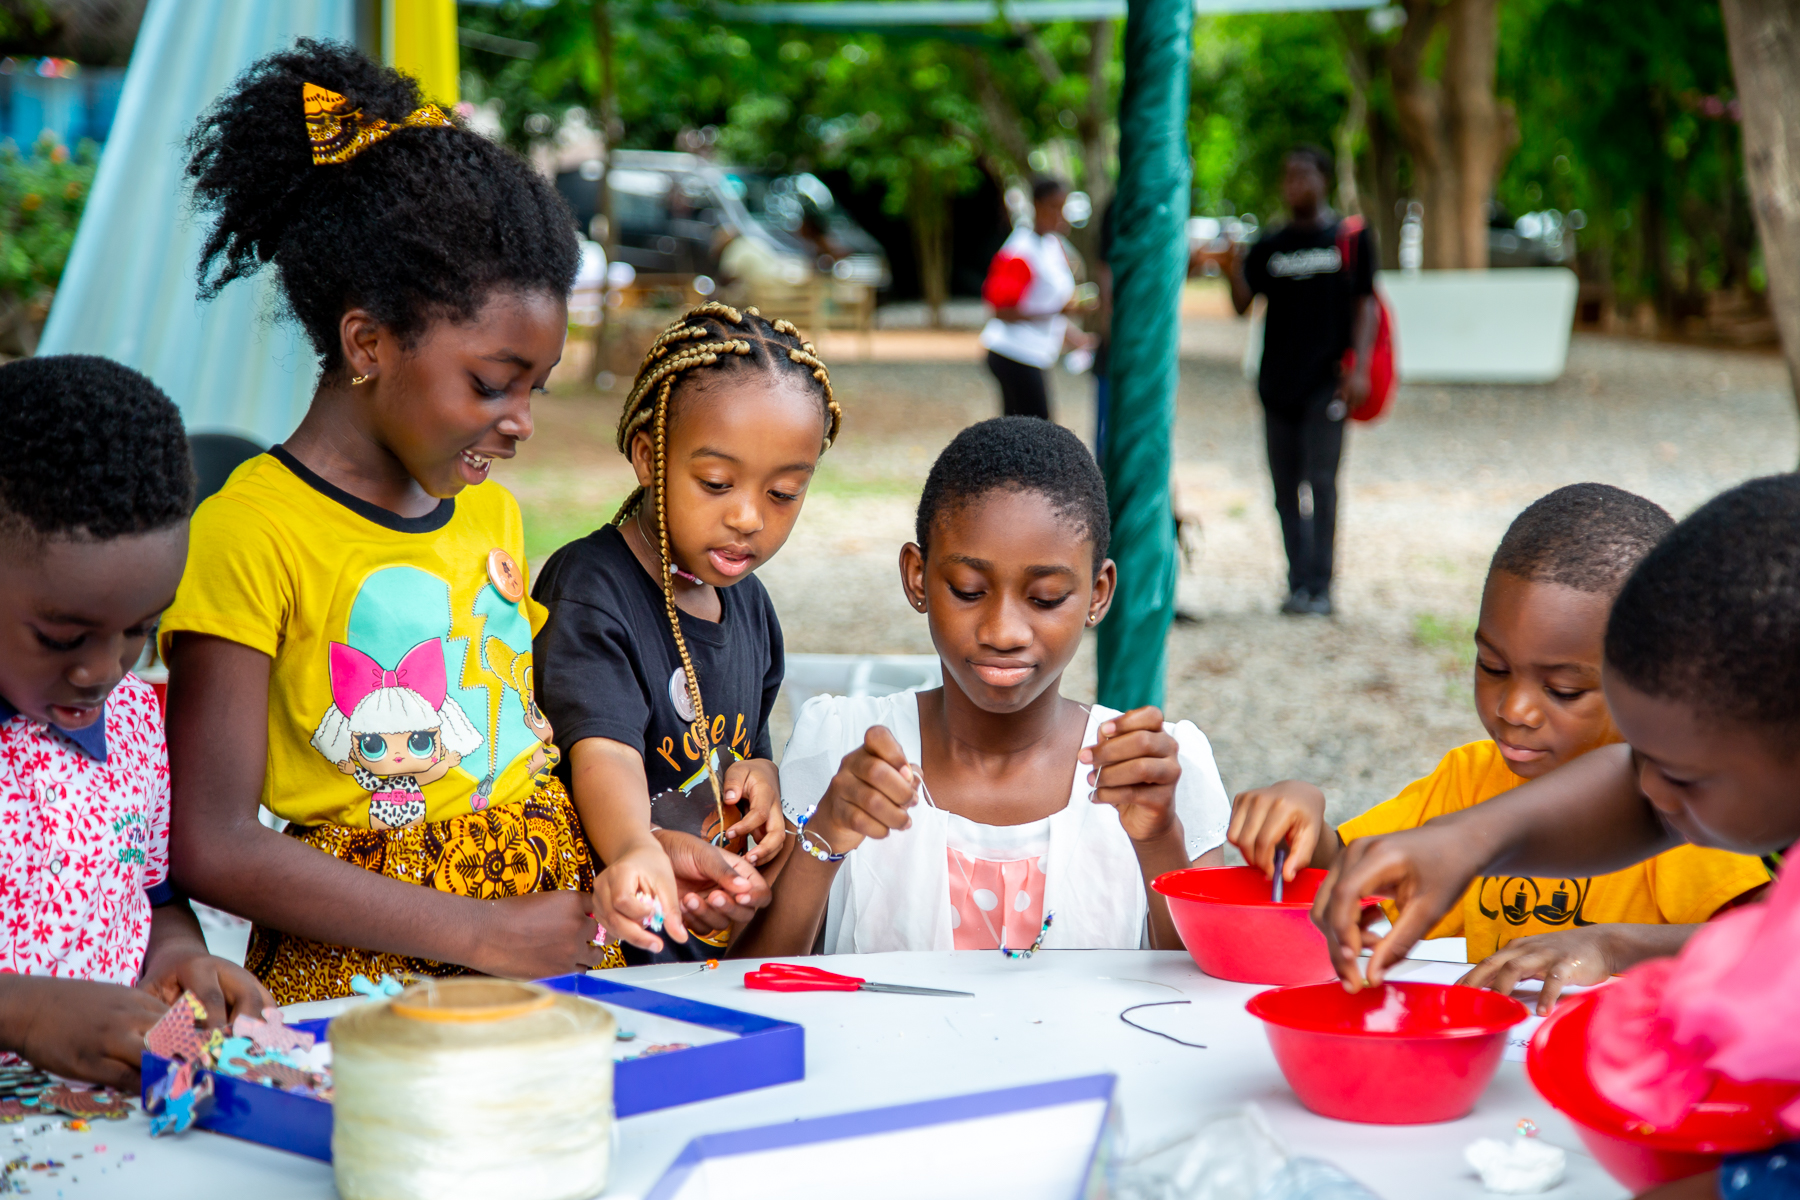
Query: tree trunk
[1005, 127]
[1472, 120]
[1764, 37]
[608, 113]
[1356, 118]
[1374, 175]
[1096, 129]
[928, 212]
[1419, 111]
[1454, 130]
[610, 128]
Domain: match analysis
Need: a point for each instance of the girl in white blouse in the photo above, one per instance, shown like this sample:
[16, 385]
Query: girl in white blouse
[969, 816]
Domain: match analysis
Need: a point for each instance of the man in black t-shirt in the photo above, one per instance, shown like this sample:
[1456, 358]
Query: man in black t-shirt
[1319, 306]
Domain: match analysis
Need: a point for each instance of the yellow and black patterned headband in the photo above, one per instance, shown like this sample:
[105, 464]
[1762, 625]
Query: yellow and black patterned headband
[339, 133]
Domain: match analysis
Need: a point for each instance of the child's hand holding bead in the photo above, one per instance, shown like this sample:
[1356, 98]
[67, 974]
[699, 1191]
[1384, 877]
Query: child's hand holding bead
[1135, 770]
[756, 783]
[869, 796]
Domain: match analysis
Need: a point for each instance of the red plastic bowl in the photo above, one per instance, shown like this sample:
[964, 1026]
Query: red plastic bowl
[1734, 1117]
[1234, 931]
[1399, 1054]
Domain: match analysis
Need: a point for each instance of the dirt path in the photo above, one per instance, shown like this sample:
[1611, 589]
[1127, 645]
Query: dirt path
[1359, 704]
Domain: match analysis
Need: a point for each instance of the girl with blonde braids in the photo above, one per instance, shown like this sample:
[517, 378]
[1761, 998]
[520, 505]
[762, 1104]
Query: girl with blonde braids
[662, 655]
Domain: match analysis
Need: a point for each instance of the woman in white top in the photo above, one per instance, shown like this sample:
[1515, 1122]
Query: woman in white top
[1031, 286]
[965, 817]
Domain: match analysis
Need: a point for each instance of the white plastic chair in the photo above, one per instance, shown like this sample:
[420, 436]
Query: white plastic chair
[810, 675]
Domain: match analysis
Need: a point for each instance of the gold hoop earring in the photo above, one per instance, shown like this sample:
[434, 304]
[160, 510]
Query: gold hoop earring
[360, 379]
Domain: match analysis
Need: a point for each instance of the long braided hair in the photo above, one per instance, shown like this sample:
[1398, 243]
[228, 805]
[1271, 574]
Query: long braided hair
[714, 336]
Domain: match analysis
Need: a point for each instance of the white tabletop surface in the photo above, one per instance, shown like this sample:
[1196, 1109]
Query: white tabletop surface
[1051, 1017]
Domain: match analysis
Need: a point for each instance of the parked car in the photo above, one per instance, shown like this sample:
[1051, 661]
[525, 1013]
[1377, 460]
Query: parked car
[1537, 239]
[676, 212]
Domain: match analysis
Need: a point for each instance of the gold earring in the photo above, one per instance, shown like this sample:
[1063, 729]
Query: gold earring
[360, 379]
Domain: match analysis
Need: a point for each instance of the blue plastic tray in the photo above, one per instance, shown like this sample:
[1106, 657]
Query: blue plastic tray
[763, 1052]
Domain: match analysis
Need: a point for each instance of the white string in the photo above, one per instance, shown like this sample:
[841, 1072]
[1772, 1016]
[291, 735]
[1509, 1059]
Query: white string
[520, 1108]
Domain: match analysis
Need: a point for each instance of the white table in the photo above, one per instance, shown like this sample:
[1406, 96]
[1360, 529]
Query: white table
[1051, 1017]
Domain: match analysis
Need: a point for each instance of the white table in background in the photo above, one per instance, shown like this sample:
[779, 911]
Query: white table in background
[1050, 1017]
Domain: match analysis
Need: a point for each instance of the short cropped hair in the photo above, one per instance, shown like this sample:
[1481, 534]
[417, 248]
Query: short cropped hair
[1587, 536]
[1045, 186]
[97, 451]
[1018, 454]
[1711, 617]
[1317, 155]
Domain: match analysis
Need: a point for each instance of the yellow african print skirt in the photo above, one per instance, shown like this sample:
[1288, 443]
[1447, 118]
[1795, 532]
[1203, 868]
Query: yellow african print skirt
[535, 845]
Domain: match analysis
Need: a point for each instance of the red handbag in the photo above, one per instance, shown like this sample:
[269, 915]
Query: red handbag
[1381, 355]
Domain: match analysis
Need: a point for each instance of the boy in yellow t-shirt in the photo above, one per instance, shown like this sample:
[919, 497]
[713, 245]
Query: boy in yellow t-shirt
[1537, 692]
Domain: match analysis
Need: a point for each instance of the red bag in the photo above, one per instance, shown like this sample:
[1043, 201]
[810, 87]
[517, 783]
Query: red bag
[1381, 355]
[1008, 278]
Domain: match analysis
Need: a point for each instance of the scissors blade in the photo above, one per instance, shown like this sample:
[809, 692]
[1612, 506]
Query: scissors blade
[903, 990]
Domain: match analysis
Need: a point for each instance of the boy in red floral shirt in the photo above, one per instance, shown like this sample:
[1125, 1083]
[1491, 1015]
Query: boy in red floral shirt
[95, 491]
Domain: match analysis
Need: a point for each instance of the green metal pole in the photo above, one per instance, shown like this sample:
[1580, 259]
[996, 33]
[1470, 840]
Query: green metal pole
[1149, 264]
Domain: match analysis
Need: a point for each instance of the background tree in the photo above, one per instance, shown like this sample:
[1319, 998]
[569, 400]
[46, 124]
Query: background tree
[918, 118]
[1765, 49]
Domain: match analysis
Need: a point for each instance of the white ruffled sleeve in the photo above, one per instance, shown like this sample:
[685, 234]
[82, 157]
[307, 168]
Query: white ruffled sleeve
[814, 751]
[1200, 799]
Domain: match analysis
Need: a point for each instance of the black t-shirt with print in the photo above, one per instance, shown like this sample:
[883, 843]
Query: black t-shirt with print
[607, 666]
[1310, 318]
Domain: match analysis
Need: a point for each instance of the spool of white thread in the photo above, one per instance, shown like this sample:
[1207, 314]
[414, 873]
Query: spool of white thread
[472, 1088]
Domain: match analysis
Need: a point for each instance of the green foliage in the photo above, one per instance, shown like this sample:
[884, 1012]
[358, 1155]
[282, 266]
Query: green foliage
[896, 111]
[1624, 111]
[1261, 85]
[1624, 114]
[41, 198]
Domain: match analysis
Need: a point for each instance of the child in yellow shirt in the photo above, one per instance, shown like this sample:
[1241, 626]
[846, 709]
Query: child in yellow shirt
[1537, 692]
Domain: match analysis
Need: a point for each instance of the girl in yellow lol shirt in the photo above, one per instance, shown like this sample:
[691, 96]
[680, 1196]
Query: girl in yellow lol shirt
[351, 642]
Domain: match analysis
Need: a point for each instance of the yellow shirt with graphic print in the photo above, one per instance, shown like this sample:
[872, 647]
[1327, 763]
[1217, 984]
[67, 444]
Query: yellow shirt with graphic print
[1682, 886]
[400, 679]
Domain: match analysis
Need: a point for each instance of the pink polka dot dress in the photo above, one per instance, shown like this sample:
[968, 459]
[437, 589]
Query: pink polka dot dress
[996, 882]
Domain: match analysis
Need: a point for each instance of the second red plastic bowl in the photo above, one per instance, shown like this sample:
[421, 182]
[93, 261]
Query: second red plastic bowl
[1235, 931]
[1399, 1054]
[1734, 1117]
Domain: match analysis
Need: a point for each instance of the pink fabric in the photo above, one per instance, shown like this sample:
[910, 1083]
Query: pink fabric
[354, 675]
[80, 841]
[1661, 1035]
[990, 898]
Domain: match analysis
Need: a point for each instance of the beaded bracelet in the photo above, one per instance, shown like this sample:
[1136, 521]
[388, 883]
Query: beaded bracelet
[825, 855]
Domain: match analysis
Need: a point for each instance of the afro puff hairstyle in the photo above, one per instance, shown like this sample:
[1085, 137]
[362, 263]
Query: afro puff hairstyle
[97, 451]
[1018, 454]
[1587, 536]
[1711, 617]
[421, 226]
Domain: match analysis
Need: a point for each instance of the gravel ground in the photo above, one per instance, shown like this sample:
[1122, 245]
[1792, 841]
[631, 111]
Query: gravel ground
[1359, 704]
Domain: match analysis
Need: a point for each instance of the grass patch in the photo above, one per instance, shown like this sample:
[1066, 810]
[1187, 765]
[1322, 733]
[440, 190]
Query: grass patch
[549, 528]
[1452, 640]
[848, 483]
[1452, 637]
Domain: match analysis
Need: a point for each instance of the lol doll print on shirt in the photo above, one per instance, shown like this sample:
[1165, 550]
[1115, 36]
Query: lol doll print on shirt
[394, 731]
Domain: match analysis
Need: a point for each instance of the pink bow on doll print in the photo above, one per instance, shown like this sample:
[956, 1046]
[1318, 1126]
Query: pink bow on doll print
[354, 674]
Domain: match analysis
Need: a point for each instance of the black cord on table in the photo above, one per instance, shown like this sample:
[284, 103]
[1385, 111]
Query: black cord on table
[1159, 1033]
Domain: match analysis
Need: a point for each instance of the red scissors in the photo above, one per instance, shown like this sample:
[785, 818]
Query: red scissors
[792, 977]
